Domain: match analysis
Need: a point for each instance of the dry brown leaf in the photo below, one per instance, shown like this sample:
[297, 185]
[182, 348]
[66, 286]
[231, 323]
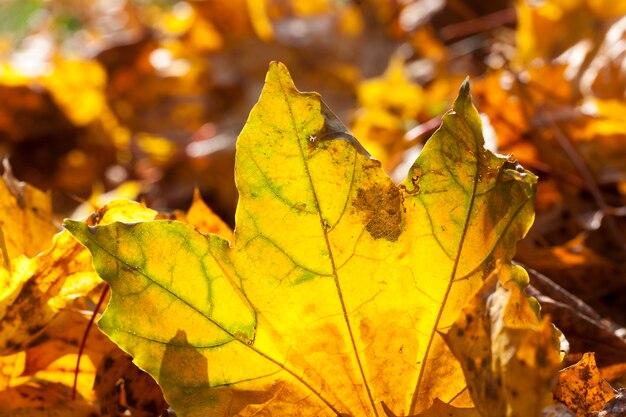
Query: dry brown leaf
[507, 352]
[582, 389]
[121, 386]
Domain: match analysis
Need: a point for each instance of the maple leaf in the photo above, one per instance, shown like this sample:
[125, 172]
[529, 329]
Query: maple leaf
[338, 285]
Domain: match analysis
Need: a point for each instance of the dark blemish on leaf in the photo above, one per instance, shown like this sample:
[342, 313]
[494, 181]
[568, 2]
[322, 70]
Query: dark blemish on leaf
[43, 337]
[108, 363]
[382, 209]
[469, 318]
[460, 332]
[33, 329]
[541, 357]
[489, 267]
[584, 373]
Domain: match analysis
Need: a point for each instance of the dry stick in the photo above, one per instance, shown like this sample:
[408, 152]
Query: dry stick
[416, 133]
[83, 342]
[478, 24]
[579, 163]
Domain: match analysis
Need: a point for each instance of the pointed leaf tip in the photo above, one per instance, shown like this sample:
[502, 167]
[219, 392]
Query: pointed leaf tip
[70, 224]
[463, 102]
[465, 87]
[279, 73]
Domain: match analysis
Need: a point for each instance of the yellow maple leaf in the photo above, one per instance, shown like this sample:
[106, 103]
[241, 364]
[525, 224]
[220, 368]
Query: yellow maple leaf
[335, 292]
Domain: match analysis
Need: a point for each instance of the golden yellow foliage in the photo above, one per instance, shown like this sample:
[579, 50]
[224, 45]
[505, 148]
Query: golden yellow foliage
[335, 292]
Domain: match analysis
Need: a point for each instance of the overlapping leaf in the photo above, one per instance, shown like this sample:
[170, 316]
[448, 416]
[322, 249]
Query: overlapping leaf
[509, 356]
[582, 388]
[335, 292]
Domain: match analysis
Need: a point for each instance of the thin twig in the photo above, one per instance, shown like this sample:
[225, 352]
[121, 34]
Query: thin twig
[83, 342]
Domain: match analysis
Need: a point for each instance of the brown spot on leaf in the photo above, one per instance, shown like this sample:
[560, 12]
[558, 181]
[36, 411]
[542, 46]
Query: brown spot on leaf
[383, 211]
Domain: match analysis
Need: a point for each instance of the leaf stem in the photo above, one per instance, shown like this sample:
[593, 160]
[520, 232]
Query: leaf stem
[83, 342]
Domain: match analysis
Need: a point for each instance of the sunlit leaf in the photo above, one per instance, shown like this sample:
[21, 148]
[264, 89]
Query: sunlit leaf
[203, 218]
[43, 285]
[509, 356]
[26, 226]
[334, 294]
[78, 87]
[582, 388]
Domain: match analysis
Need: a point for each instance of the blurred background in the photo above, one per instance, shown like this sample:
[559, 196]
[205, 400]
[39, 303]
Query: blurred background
[144, 99]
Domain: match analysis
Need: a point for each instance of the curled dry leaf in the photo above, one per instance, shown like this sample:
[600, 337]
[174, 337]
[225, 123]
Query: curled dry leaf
[44, 285]
[26, 226]
[333, 296]
[509, 355]
[582, 389]
[24, 309]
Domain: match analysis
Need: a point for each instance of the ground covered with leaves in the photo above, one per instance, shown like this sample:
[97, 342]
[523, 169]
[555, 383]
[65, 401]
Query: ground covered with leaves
[442, 235]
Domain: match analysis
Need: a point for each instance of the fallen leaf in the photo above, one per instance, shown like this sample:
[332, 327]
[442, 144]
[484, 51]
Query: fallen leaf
[25, 218]
[63, 336]
[203, 218]
[24, 309]
[547, 29]
[44, 285]
[43, 400]
[582, 389]
[333, 295]
[121, 386]
[508, 354]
